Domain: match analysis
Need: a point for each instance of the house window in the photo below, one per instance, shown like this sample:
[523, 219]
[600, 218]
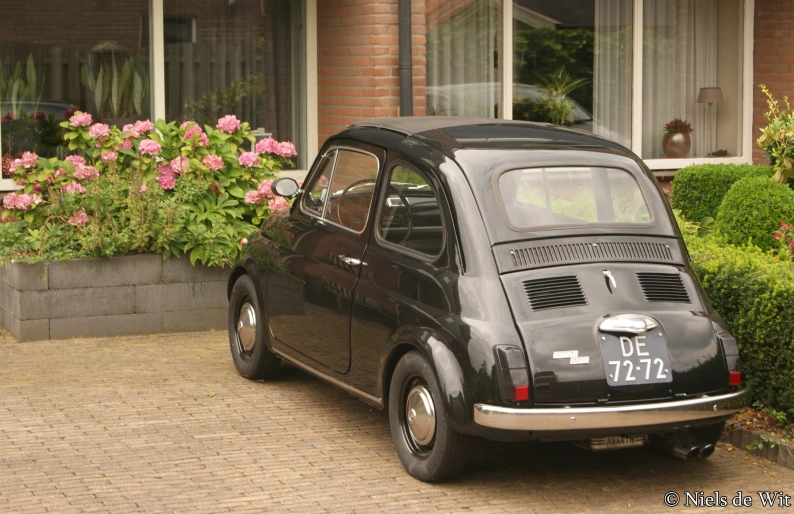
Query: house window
[53, 61]
[245, 58]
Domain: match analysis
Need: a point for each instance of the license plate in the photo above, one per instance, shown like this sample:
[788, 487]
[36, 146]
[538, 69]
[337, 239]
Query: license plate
[613, 443]
[636, 360]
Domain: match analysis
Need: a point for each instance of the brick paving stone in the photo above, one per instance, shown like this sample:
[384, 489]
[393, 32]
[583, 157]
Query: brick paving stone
[164, 424]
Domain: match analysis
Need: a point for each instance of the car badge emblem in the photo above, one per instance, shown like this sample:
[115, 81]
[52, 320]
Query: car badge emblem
[631, 323]
[610, 280]
[572, 356]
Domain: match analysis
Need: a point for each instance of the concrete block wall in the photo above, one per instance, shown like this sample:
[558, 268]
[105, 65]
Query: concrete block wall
[136, 294]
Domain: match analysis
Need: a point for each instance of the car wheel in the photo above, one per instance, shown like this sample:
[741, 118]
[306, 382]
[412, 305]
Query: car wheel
[248, 333]
[429, 449]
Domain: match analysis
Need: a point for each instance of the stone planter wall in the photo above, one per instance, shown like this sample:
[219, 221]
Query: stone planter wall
[137, 294]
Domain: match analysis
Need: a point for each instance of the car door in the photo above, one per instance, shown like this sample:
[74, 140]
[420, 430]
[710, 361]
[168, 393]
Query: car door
[329, 233]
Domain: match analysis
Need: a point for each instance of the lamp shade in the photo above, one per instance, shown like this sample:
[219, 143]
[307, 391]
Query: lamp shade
[710, 95]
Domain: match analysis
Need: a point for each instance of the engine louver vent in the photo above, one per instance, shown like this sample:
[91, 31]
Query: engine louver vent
[663, 287]
[536, 256]
[555, 292]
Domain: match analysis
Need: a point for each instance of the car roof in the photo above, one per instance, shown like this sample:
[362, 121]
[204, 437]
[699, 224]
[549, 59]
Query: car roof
[451, 133]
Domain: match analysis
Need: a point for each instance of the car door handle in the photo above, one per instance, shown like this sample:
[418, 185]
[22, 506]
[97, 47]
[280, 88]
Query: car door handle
[351, 261]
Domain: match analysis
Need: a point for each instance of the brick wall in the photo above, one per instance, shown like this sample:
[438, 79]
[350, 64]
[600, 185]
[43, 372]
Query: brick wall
[357, 61]
[774, 59]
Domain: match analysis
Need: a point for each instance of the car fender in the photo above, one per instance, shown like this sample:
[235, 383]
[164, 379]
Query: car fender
[442, 359]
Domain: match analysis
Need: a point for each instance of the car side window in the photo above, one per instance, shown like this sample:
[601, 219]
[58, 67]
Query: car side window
[314, 200]
[410, 215]
[351, 190]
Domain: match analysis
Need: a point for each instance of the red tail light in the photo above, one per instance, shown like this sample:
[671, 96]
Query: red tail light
[522, 393]
[735, 378]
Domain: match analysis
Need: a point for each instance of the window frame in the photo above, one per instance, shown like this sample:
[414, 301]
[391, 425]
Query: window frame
[656, 165]
[383, 243]
[314, 177]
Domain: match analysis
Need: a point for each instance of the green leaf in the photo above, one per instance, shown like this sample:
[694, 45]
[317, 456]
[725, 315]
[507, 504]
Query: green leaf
[236, 191]
[194, 255]
[115, 98]
[29, 217]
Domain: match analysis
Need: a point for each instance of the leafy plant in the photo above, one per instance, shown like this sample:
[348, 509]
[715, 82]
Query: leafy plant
[223, 99]
[179, 189]
[777, 138]
[115, 93]
[17, 88]
[678, 126]
[752, 210]
[553, 104]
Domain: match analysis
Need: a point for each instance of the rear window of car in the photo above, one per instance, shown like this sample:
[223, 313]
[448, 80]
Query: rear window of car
[561, 196]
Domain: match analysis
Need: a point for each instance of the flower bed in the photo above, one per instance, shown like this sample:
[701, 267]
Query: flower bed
[163, 188]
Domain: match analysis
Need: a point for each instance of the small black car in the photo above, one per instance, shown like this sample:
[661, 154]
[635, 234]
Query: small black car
[484, 278]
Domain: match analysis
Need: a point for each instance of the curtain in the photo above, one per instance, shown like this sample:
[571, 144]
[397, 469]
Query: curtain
[612, 77]
[463, 77]
[679, 58]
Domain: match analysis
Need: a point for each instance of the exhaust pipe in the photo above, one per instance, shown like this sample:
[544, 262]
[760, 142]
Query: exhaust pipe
[706, 451]
[686, 448]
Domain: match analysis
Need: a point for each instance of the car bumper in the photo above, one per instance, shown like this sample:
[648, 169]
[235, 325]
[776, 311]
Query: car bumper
[621, 416]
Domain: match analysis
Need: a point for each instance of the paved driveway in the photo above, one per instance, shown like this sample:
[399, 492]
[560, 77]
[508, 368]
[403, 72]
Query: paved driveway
[164, 423]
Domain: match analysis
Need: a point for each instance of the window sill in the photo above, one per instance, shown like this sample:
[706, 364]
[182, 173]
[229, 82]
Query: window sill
[7, 185]
[671, 165]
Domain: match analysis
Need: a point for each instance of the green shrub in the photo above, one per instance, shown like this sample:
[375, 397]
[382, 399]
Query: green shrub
[698, 190]
[752, 210]
[754, 294]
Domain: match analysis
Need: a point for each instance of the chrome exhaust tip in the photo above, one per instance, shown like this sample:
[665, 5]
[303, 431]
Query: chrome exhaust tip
[684, 452]
[706, 451]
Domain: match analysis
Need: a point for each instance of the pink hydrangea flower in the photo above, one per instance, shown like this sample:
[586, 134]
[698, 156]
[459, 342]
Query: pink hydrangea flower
[193, 129]
[167, 181]
[286, 150]
[265, 187]
[80, 119]
[75, 159]
[267, 145]
[143, 188]
[59, 172]
[109, 156]
[180, 165]
[149, 147]
[228, 124]
[74, 188]
[164, 169]
[99, 130]
[143, 126]
[78, 219]
[129, 127]
[248, 159]
[29, 160]
[69, 112]
[85, 172]
[278, 203]
[254, 197]
[12, 167]
[125, 145]
[213, 162]
[21, 201]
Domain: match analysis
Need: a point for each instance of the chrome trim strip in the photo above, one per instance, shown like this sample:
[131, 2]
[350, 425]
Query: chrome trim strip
[373, 400]
[620, 416]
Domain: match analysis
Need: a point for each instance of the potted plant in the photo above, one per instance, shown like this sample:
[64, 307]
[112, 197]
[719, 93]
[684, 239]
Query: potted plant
[676, 141]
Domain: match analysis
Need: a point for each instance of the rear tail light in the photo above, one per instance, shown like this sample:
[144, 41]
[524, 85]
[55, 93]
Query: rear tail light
[513, 376]
[731, 352]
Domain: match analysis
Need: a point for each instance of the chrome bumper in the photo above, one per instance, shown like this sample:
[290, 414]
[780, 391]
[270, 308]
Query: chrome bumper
[621, 416]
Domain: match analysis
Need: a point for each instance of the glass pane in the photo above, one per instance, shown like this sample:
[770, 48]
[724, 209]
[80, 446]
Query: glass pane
[316, 198]
[410, 215]
[572, 62]
[352, 188]
[541, 197]
[54, 61]
[692, 55]
[245, 58]
[462, 56]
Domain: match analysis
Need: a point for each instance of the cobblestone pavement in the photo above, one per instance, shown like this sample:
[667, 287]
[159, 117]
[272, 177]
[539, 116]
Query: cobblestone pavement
[164, 424]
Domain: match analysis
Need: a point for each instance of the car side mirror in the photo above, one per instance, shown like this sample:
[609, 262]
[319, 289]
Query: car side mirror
[285, 187]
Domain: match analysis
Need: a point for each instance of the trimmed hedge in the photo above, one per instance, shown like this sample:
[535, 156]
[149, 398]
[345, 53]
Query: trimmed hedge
[752, 210]
[698, 190]
[754, 294]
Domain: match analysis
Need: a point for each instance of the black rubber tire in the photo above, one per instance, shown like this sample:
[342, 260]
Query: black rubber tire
[710, 434]
[450, 449]
[260, 363]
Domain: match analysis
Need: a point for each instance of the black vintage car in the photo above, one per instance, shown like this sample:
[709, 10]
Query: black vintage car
[483, 278]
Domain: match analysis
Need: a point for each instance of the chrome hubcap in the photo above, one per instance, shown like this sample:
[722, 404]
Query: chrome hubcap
[420, 413]
[246, 327]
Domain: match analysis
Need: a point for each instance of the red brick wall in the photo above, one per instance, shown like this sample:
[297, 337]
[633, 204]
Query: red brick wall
[357, 61]
[774, 59]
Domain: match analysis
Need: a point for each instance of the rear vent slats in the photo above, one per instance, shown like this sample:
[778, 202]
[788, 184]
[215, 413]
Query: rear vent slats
[663, 287]
[556, 292]
[569, 253]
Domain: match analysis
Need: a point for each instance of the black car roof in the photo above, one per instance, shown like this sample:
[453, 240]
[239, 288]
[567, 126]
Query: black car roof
[450, 133]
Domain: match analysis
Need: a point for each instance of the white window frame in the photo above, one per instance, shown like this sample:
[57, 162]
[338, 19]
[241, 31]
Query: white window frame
[637, 86]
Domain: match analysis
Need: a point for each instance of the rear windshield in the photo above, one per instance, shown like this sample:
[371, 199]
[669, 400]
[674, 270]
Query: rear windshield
[546, 197]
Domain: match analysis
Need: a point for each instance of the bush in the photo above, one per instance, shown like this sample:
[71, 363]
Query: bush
[754, 294]
[145, 188]
[698, 190]
[752, 211]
